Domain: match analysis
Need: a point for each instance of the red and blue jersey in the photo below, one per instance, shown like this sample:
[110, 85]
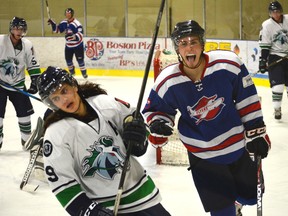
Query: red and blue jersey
[214, 111]
[73, 32]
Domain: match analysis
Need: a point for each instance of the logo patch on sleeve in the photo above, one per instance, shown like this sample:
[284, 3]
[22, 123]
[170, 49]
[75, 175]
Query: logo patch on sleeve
[247, 81]
[47, 148]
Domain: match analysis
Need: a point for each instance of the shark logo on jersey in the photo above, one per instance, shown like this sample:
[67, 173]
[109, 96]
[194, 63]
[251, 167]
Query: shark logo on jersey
[10, 66]
[104, 159]
[207, 108]
[281, 36]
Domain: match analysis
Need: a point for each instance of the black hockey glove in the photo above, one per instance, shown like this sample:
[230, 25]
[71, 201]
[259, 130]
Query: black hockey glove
[53, 24]
[134, 133]
[258, 142]
[33, 86]
[263, 65]
[97, 210]
[161, 128]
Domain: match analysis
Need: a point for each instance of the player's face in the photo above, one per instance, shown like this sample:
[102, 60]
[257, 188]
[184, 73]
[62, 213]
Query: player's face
[190, 49]
[67, 99]
[276, 15]
[18, 32]
[68, 15]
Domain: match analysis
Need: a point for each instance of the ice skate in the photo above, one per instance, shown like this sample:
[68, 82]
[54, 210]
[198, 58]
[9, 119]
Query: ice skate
[277, 113]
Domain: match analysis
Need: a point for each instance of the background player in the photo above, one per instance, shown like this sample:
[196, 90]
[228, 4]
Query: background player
[220, 120]
[74, 40]
[273, 41]
[16, 55]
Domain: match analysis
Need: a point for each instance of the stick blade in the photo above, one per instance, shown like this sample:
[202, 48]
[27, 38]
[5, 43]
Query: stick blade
[29, 188]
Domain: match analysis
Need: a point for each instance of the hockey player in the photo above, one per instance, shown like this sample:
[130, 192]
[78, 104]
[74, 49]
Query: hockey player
[16, 55]
[74, 40]
[85, 146]
[221, 120]
[273, 41]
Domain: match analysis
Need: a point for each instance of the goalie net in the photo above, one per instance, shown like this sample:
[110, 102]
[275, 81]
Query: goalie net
[174, 152]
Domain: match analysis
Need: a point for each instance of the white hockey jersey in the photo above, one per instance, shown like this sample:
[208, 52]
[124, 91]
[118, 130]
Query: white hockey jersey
[274, 36]
[88, 158]
[13, 62]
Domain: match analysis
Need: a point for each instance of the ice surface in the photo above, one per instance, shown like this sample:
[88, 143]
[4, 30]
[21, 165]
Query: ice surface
[175, 183]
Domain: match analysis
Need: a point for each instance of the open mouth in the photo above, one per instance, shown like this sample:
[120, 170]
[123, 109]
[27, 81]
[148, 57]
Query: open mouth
[190, 57]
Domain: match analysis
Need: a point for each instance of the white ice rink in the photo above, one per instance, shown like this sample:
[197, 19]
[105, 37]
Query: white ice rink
[176, 185]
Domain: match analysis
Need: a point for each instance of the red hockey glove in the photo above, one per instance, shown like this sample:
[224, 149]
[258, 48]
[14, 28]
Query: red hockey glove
[157, 142]
[160, 131]
[258, 142]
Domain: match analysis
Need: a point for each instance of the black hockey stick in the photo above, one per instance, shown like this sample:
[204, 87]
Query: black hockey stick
[259, 186]
[32, 141]
[48, 11]
[19, 90]
[137, 111]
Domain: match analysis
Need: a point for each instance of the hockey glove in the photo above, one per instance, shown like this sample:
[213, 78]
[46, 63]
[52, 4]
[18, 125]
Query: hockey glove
[97, 210]
[160, 130]
[134, 133]
[263, 65]
[33, 87]
[53, 24]
[258, 142]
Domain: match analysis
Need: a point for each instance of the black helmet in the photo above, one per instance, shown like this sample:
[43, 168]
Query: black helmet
[187, 28]
[51, 80]
[275, 5]
[19, 23]
[69, 10]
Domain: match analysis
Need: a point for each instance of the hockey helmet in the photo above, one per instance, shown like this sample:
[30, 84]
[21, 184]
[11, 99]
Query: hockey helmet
[51, 80]
[187, 28]
[69, 10]
[19, 23]
[275, 5]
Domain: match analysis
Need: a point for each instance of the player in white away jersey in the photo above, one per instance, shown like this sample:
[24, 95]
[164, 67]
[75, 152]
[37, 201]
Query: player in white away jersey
[273, 41]
[16, 55]
[85, 146]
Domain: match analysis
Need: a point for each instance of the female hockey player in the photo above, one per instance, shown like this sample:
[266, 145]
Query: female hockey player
[85, 146]
[220, 120]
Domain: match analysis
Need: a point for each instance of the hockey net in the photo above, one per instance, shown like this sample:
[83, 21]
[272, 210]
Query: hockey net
[174, 152]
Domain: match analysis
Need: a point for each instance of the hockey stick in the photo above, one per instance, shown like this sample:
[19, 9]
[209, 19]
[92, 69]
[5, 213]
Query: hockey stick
[23, 185]
[32, 141]
[272, 64]
[48, 11]
[137, 111]
[19, 90]
[259, 186]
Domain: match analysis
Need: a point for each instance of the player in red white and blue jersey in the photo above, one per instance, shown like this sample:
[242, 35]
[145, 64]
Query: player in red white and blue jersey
[74, 40]
[220, 119]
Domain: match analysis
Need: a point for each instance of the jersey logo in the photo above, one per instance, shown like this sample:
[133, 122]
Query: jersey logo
[10, 67]
[207, 108]
[104, 159]
[281, 36]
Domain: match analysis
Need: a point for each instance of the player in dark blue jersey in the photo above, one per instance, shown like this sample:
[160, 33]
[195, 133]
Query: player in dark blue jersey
[74, 40]
[220, 120]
